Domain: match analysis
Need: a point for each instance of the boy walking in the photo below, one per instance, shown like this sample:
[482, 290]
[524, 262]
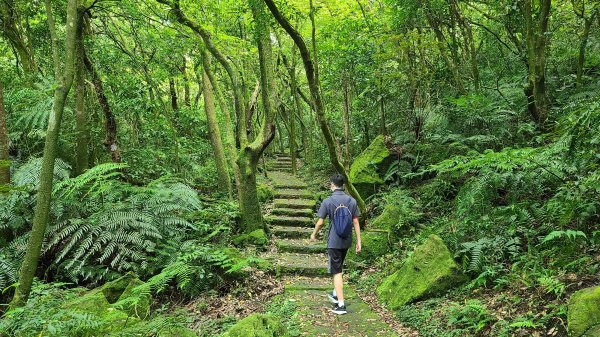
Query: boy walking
[343, 214]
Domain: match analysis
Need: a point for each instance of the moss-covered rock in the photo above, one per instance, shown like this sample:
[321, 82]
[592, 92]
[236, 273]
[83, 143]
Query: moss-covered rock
[114, 301]
[584, 313]
[264, 192]
[367, 168]
[256, 238]
[374, 244]
[257, 325]
[430, 271]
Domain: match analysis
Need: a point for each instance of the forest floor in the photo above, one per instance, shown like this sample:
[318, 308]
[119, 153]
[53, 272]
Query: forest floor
[303, 266]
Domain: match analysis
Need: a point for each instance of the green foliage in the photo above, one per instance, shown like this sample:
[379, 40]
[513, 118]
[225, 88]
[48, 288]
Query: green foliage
[471, 316]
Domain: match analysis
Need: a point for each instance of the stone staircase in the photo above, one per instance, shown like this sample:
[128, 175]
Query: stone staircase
[303, 264]
[291, 222]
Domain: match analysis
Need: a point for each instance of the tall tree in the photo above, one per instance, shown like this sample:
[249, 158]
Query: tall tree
[63, 73]
[12, 30]
[81, 118]
[317, 102]
[536, 38]
[588, 11]
[110, 123]
[4, 142]
[249, 153]
[215, 134]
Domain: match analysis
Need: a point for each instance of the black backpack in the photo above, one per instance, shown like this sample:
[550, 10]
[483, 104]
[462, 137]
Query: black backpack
[342, 220]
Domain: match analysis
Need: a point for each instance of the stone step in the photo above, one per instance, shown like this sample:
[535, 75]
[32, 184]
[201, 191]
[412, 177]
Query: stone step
[289, 221]
[291, 232]
[304, 246]
[292, 212]
[286, 170]
[294, 203]
[301, 264]
[289, 193]
[291, 184]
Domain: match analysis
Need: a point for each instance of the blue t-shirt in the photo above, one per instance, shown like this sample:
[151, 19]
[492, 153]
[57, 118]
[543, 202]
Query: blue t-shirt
[327, 209]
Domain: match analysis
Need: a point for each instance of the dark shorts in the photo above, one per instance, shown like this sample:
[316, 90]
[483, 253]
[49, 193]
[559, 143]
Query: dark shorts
[336, 260]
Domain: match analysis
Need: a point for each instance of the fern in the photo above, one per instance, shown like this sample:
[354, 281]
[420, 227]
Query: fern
[570, 235]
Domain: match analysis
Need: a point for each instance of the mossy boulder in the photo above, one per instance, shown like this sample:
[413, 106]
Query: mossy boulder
[374, 245]
[430, 271]
[367, 169]
[265, 192]
[257, 325]
[256, 238]
[401, 214]
[584, 313]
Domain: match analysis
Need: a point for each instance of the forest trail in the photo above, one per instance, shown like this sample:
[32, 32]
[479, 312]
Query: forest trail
[303, 264]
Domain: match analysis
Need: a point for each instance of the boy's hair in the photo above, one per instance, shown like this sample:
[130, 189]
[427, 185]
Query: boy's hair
[338, 180]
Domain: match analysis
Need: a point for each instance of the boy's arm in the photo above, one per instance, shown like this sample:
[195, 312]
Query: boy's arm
[357, 230]
[318, 225]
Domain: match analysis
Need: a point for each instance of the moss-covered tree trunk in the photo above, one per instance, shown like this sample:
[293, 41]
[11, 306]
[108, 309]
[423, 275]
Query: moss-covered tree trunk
[250, 152]
[4, 143]
[64, 78]
[536, 29]
[81, 120]
[229, 135]
[215, 135]
[317, 102]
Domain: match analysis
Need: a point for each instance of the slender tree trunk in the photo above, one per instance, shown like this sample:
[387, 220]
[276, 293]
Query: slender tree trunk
[215, 135]
[81, 122]
[583, 45]
[313, 85]
[186, 84]
[11, 29]
[110, 123]
[537, 43]
[228, 125]
[64, 79]
[4, 143]
[173, 94]
[347, 159]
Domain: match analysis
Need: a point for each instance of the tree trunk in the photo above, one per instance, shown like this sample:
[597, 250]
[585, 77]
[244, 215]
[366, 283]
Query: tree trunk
[4, 143]
[81, 122]
[537, 43]
[173, 94]
[110, 124]
[228, 125]
[215, 135]
[583, 45]
[347, 159]
[186, 84]
[64, 81]
[10, 28]
[313, 85]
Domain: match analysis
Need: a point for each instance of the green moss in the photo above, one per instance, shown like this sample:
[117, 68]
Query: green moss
[364, 168]
[430, 271]
[257, 238]
[264, 192]
[584, 312]
[257, 325]
[134, 305]
[374, 244]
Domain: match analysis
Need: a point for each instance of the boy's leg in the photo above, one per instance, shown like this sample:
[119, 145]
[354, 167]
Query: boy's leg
[338, 285]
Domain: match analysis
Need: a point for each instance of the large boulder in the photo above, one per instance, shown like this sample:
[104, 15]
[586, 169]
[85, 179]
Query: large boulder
[584, 313]
[368, 168]
[256, 238]
[115, 298]
[257, 325]
[374, 244]
[430, 271]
